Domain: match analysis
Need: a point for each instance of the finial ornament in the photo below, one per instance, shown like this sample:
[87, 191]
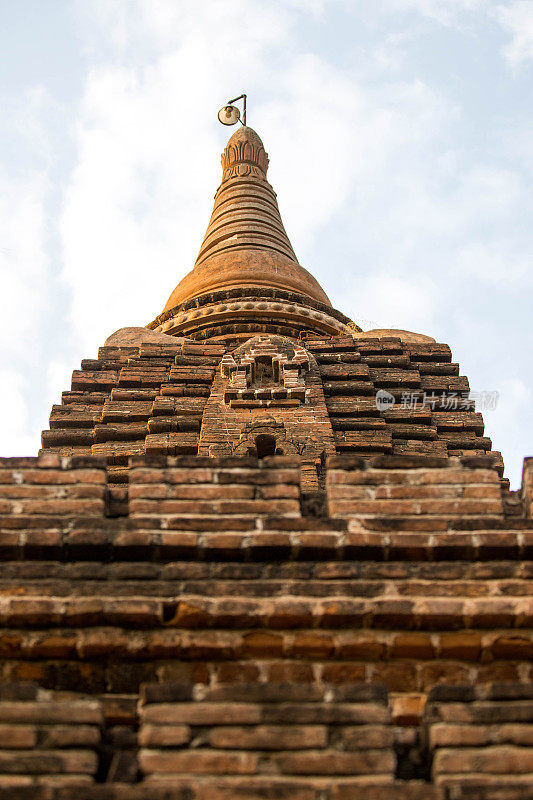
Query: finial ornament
[230, 114]
[243, 155]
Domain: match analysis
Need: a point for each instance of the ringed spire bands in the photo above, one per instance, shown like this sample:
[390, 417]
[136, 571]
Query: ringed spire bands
[245, 216]
[246, 253]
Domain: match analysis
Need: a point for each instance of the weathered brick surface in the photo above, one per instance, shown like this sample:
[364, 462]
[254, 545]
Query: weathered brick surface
[269, 387]
[527, 487]
[47, 740]
[152, 562]
[50, 486]
[212, 487]
[254, 788]
[114, 602]
[387, 489]
[155, 397]
[480, 735]
[283, 729]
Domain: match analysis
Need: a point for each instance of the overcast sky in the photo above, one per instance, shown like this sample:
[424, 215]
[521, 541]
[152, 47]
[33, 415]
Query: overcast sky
[400, 134]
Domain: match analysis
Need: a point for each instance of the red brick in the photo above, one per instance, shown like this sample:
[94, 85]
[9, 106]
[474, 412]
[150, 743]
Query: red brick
[262, 643]
[501, 759]
[311, 645]
[336, 763]
[241, 672]
[443, 672]
[412, 645]
[164, 735]
[269, 737]
[48, 761]
[289, 672]
[198, 762]
[398, 677]
[202, 713]
[17, 737]
[513, 646]
[463, 645]
[343, 673]
[450, 735]
[362, 737]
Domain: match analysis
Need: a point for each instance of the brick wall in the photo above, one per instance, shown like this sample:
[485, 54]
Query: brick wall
[51, 486]
[245, 733]
[183, 588]
[168, 491]
[433, 490]
[527, 487]
[481, 735]
[47, 740]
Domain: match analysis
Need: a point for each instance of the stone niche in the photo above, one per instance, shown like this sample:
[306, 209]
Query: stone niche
[267, 399]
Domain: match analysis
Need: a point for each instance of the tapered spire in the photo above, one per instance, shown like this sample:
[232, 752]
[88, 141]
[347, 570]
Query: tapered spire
[245, 243]
[246, 214]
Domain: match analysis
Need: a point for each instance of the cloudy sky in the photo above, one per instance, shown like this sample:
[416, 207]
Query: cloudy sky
[400, 134]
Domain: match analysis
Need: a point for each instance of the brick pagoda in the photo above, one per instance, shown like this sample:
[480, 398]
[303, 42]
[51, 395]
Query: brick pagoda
[264, 554]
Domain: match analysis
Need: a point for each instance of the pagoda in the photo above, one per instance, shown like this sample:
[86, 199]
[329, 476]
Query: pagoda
[265, 554]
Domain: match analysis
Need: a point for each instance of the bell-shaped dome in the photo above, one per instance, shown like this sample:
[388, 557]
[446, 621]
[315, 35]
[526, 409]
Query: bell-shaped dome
[245, 244]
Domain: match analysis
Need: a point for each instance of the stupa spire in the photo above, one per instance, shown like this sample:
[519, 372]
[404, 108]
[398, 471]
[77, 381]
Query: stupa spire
[246, 276]
[246, 243]
[245, 215]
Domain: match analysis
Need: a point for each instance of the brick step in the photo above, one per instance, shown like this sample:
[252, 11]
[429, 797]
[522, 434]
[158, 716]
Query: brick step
[284, 613]
[236, 539]
[325, 573]
[195, 787]
[130, 580]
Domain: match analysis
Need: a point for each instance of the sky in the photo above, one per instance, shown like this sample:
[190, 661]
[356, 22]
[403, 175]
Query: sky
[400, 136]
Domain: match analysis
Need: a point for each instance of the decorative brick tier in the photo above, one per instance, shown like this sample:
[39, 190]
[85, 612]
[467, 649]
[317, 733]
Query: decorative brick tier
[182, 398]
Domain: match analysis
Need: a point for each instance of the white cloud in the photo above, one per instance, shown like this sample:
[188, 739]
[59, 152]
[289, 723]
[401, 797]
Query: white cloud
[140, 197]
[386, 300]
[506, 425]
[23, 263]
[494, 263]
[17, 434]
[230, 27]
[445, 12]
[23, 301]
[27, 288]
[517, 18]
